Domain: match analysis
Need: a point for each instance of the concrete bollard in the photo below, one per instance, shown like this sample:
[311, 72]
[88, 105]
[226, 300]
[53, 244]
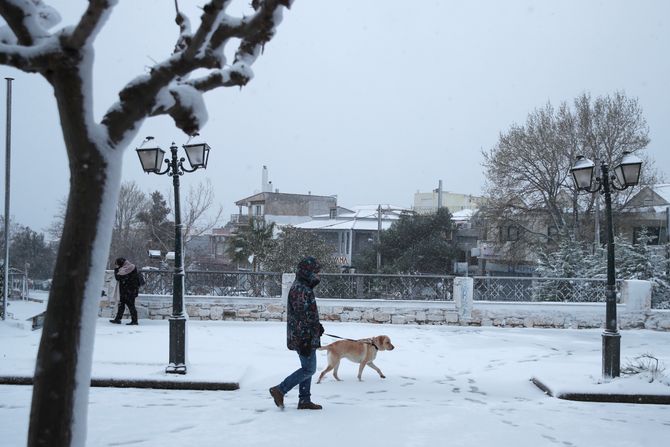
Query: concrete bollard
[636, 295]
[286, 283]
[463, 296]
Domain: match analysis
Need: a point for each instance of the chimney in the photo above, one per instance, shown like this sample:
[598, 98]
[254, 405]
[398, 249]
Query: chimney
[265, 186]
[439, 195]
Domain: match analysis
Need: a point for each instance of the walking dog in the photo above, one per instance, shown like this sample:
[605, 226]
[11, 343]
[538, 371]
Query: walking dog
[362, 351]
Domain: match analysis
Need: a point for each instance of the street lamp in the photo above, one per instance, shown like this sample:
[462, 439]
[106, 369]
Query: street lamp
[152, 159]
[626, 173]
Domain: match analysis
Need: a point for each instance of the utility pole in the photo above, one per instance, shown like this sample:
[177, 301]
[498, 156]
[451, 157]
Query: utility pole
[596, 229]
[8, 162]
[379, 238]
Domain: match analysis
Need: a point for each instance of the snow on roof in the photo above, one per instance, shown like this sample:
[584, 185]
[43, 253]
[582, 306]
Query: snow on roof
[361, 217]
[368, 212]
[662, 190]
[465, 214]
[341, 224]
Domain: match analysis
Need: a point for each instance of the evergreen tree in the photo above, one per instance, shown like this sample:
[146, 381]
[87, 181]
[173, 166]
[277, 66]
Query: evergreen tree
[646, 262]
[293, 244]
[632, 261]
[252, 243]
[414, 244]
[568, 260]
[159, 230]
[28, 249]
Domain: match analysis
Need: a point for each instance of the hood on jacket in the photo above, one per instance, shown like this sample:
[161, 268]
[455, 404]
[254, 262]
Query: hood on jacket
[307, 271]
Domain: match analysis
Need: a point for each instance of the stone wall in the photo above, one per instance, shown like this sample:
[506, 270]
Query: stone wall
[544, 315]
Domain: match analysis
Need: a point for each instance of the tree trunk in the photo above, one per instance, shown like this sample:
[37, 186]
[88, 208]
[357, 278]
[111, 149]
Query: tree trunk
[63, 368]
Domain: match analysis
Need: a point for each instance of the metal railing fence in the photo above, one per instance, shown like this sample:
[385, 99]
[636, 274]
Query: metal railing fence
[259, 284]
[535, 289]
[392, 287]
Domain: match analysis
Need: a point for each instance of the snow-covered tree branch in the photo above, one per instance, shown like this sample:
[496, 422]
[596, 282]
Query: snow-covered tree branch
[65, 59]
[166, 89]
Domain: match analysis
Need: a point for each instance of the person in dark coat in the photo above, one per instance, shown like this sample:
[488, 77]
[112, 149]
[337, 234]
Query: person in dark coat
[303, 334]
[129, 286]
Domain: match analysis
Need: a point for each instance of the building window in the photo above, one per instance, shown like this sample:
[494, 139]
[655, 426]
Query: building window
[333, 213]
[512, 233]
[258, 210]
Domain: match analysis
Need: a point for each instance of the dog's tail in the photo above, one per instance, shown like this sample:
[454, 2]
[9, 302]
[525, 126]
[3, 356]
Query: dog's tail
[322, 348]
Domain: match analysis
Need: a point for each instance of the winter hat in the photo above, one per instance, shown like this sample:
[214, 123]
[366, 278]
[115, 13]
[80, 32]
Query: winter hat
[307, 271]
[309, 264]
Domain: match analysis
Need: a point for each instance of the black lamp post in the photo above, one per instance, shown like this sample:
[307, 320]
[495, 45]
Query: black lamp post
[626, 173]
[151, 159]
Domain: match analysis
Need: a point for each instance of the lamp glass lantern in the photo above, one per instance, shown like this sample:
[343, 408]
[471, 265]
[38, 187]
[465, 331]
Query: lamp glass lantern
[582, 172]
[628, 171]
[151, 158]
[197, 154]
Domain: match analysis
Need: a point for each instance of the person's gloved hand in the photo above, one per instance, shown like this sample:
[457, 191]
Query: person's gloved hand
[305, 348]
[321, 330]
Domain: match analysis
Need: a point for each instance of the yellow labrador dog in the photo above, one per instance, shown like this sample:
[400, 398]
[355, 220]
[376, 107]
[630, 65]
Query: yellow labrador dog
[362, 351]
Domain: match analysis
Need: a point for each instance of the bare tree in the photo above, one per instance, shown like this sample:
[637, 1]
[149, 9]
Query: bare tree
[201, 213]
[527, 171]
[606, 128]
[55, 229]
[128, 238]
[65, 59]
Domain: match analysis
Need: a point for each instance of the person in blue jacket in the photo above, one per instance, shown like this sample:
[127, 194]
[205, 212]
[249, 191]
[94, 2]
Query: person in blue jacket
[303, 334]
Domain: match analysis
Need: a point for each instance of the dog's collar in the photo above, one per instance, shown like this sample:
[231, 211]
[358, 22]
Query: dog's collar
[373, 344]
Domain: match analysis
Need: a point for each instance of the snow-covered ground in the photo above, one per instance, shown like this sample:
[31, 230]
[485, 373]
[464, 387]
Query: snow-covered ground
[445, 385]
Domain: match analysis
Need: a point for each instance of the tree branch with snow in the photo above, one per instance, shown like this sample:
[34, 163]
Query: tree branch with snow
[166, 89]
[90, 22]
[65, 59]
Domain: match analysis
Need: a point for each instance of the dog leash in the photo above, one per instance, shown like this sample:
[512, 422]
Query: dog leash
[349, 339]
[337, 336]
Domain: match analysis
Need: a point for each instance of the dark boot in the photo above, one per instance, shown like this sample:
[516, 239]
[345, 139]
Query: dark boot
[133, 311]
[132, 323]
[309, 406]
[277, 396]
[119, 313]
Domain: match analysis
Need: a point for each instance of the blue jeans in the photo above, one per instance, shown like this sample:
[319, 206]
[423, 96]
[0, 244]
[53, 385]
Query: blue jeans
[301, 377]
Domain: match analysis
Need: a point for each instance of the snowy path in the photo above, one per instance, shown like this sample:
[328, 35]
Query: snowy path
[445, 385]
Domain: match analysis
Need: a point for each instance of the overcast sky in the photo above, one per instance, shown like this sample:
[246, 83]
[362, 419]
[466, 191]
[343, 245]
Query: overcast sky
[368, 100]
